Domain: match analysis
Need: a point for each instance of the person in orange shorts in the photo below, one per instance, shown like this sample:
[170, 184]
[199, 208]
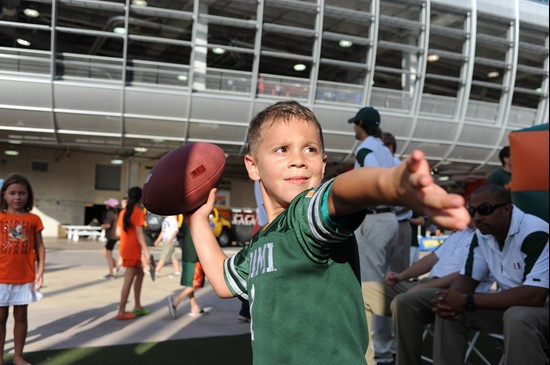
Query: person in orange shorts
[192, 277]
[132, 246]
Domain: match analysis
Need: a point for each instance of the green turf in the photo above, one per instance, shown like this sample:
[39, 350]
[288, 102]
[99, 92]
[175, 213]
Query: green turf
[201, 351]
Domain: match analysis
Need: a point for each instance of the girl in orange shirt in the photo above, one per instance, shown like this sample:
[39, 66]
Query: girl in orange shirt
[132, 245]
[21, 249]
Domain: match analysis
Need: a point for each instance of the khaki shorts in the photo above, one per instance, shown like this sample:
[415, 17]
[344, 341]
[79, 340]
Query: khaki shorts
[167, 252]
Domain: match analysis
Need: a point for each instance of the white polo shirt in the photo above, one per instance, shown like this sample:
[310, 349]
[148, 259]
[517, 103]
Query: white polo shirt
[452, 253]
[373, 153]
[523, 259]
[169, 227]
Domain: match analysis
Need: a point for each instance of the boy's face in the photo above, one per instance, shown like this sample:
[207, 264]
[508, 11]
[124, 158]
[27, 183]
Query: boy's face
[289, 159]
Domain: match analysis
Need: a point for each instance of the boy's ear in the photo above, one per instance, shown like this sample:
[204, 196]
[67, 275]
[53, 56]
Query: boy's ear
[251, 167]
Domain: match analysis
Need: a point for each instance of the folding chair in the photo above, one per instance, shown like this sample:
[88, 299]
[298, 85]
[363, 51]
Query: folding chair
[471, 346]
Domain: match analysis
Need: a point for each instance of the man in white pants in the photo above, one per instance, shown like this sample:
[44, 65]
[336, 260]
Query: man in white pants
[375, 235]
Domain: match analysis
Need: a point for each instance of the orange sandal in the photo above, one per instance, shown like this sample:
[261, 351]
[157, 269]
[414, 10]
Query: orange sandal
[125, 316]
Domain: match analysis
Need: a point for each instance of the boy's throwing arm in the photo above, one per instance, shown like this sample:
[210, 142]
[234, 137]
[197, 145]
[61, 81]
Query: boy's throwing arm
[409, 184]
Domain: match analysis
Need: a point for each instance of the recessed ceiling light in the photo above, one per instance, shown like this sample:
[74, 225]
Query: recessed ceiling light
[31, 13]
[23, 42]
[140, 149]
[538, 90]
[183, 77]
[117, 161]
[493, 74]
[158, 140]
[432, 57]
[139, 2]
[11, 152]
[299, 67]
[344, 43]
[218, 50]
[119, 30]
[14, 141]
[444, 178]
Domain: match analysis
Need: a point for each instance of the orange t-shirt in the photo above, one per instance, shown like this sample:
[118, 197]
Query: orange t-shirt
[17, 250]
[129, 244]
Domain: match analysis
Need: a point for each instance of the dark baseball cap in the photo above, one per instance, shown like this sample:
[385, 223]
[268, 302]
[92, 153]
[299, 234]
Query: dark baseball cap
[368, 115]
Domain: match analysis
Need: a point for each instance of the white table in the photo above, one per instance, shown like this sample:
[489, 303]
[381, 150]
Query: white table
[92, 232]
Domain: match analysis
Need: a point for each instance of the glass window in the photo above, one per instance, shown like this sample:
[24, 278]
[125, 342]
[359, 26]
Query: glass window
[160, 23]
[91, 15]
[288, 43]
[296, 14]
[107, 177]
[344, 49]
[89, 56]
[341, 73]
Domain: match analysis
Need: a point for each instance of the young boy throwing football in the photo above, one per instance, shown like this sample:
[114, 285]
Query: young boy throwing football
[300, 272]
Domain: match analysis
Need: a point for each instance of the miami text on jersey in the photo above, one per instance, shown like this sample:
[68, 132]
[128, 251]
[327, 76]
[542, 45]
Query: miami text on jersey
[261, 260]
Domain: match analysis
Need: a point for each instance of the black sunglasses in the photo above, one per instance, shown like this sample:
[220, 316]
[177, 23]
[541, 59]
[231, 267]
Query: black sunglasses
[485, 208]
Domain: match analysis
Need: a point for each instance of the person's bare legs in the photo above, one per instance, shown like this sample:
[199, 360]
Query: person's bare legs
[19, 334]
[129, 275]
[160, 265]
[195, 308]
[190, 293]
[176, 264]
[4, 313]
[111, 263]
[137, 288]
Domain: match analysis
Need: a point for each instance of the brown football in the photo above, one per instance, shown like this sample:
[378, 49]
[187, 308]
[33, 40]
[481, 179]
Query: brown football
[181, 181]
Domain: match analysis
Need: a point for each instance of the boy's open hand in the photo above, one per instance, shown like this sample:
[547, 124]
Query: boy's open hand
[418, 191]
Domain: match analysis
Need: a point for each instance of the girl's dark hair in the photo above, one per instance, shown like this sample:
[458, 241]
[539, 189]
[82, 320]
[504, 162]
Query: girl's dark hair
[17, 179]
[134, 196]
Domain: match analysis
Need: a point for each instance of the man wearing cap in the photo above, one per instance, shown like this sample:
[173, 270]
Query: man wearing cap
[377, 230]
[512, 246]
[109, 225]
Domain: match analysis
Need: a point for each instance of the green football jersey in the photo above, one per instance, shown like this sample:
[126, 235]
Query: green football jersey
[301, 277]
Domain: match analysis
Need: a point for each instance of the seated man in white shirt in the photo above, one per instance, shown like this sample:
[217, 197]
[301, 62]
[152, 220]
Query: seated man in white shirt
[512, 246]
[444, 265]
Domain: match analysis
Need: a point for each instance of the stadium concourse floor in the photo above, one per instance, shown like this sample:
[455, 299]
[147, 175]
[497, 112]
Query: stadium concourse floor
[79, 307]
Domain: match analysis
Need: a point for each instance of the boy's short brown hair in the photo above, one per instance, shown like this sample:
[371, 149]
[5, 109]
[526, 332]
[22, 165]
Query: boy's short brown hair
[283, 110]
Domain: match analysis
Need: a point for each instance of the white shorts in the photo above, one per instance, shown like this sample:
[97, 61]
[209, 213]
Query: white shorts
[18, 294]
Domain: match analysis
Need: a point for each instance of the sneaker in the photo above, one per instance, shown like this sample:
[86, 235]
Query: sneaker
[108, 277]
[170, 305]
[198, 314]
[177, 273]
[141, 311]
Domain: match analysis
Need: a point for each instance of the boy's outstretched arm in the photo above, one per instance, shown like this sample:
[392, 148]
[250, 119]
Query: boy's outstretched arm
[409, 184]
[209, 251]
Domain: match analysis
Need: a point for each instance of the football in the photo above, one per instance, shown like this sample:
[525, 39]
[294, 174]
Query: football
[181, 181]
